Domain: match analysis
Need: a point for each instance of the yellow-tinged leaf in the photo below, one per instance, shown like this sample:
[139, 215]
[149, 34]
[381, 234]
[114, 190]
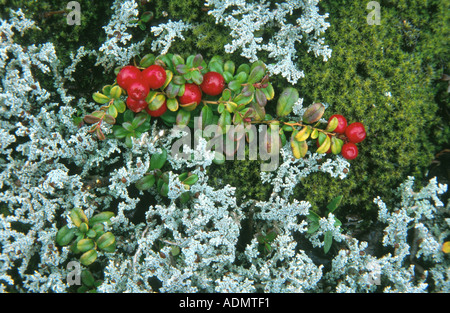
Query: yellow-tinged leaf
[324, 146]
[303, 134]
[299, 148]
[332, 125]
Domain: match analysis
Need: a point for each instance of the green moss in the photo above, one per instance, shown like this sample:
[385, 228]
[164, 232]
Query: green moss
[404, 56]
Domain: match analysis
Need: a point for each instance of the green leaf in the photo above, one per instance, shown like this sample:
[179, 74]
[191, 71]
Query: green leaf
[147, 60]
[243, 68]
[146, 16]
[229, 67]
[115, 92]
[235, 85]
[128, 126]
[241, 77]
[313, 216]
[336, 145]
[157, 102]
[286, 101]
[120, 132]
[256, 74]
[207, 116]
[158, 159]
[120, 105]
[100, 98]
[332, 206]
[197, 61]
[215, 66]
[172, 104]
[106, 241]
[328, 241]
[65, 235]
[271, 235]
[183, 117]
[128, 116]
[88, 257]
[313, 227]
[197, 77]
[100, 218]
[109, 118]
[146, 182]
[139, 119]
[191, 180]
[85, 244]
[87, 279]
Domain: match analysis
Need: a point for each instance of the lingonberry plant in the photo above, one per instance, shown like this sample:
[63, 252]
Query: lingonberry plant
[177, 89]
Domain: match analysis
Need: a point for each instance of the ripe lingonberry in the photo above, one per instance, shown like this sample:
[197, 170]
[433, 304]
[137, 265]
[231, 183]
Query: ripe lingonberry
[138, 90]
[154, 76]
[136, 105]
[127, 76]
[349, 151]
[355, 132]
[192, 93]
[157, 112]
[342, 123]
[213, 83]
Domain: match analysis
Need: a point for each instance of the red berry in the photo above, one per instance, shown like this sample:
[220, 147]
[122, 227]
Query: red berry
[138, 90]
[159, 111]
[192, 93]
[342, 123]
[213, 83]
[154, 76]
[355, 132]
[136, 105]
[349, 151]
[128, 75]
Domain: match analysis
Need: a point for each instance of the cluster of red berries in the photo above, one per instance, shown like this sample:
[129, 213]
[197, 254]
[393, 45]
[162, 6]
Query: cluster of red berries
[138, 84]
[354, 133]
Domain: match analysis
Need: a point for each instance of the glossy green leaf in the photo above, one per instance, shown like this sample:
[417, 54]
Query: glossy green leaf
[215, 66]
[102, 217]
[256, 74]
[333, 205]
[157, 102]
[65, 235]
[106, 242]
[192, 179]
[336, 145]
[85, 244]
[120, 105]
[229, 67]
[147, 60]
[146, 182]
[139, 119]
[197, 77]
[116, 92]
[100, 98]
[157, 160]
[197, 61]
[172, 104]
[120, 132]
[286, 101]
[88, 257]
